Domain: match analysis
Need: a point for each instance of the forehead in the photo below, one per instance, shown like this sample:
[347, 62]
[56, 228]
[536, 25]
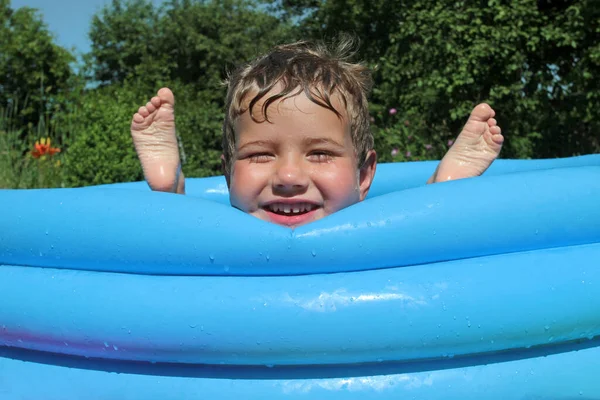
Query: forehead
[294, 115]
[290, 97]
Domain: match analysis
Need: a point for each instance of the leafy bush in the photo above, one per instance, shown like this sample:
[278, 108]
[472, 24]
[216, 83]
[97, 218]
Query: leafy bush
[102, 150]
[199, 122]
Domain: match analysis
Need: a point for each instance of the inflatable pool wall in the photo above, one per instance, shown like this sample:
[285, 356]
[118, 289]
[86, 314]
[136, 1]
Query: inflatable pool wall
[472, 289]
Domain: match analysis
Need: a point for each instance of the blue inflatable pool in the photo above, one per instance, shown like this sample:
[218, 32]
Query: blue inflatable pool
[485, 288]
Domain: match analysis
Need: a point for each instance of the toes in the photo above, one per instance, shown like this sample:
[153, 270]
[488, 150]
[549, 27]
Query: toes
[492, 122]
[482, 112]
[166, 96]
[496, 135]
[150, 107]
[155, 101]
[138, 118]
[143, 111]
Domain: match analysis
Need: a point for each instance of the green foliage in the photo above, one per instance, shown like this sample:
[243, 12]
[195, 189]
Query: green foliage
[526, 58]
[199, 123]
[193, 42]
[371, 21]
[102, 151]
[35, 71]
[395, 140]
[18, 169]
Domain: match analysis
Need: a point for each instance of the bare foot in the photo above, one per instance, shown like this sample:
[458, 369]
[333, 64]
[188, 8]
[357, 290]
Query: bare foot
[153, 133]
[475, 148]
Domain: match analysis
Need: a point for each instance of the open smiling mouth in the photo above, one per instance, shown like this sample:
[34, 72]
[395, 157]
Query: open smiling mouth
[290, 209]
[291, 214]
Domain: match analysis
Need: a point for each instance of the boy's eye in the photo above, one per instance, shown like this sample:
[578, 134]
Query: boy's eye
[260, 157]
[320, 156]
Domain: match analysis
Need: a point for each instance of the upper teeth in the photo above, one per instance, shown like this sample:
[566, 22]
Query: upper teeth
[291, 208]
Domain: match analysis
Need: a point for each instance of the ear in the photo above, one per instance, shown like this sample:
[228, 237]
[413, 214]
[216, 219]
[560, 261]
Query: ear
[367, 174]
[224, 169]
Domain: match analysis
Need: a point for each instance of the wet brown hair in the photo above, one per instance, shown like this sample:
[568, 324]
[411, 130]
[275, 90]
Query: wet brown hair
[317, 69]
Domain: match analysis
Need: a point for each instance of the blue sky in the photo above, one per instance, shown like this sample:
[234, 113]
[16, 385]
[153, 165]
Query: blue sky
[68, 20]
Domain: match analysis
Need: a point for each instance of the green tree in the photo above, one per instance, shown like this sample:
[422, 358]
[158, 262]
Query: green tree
[524, 57]
[36, 72]
[194, 42]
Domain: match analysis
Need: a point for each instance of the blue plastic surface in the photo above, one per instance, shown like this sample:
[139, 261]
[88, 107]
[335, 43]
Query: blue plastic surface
[480, 288]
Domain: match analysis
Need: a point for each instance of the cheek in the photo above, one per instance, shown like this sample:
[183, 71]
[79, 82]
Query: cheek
[245, 185]
[339, 184]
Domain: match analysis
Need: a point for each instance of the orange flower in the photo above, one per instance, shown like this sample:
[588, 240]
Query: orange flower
[43, 147]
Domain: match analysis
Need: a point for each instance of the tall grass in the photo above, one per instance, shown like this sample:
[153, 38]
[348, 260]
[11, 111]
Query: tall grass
[18, 169]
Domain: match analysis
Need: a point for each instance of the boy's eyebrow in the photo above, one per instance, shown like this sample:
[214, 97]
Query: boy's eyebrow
[307, 141]
[263, 143]
[322, 140]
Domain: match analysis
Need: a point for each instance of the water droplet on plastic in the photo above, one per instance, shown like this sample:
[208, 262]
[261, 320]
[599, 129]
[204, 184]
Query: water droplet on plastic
[546, 328]
[269, 365]
[105, 344]
[314, 253]
[46, 233]
[268, 257]
[226, 268]
[115, 347]
[193, 325]
[211, 258]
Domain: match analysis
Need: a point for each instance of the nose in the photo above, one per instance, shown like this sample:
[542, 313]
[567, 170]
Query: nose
[290, 176]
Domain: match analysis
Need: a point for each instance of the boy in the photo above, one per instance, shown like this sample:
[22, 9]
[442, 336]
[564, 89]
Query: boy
[297, 145]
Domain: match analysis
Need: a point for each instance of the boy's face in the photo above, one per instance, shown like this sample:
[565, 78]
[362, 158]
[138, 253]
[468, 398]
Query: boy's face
[298, 168]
